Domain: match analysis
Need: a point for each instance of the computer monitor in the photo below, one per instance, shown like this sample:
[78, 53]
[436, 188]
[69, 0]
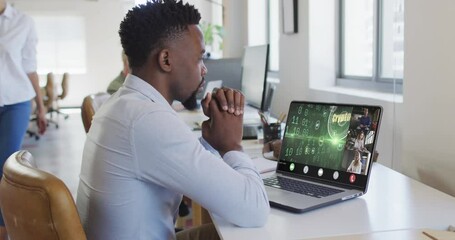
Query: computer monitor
[229, 70]
[254, 75]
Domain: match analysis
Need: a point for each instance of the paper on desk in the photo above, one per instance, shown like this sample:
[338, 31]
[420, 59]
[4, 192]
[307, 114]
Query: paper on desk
[264, 165]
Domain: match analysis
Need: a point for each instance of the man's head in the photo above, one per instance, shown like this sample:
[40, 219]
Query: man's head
[2, 6]
[162, 37]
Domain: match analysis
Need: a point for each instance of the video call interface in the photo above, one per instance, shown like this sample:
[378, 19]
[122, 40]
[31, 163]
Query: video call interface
[331, 142]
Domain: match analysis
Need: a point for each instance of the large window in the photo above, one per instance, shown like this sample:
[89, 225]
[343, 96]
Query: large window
[371, 44]
[61, 44]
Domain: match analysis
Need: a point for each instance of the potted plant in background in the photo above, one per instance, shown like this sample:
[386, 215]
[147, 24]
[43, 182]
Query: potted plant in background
[213, 37]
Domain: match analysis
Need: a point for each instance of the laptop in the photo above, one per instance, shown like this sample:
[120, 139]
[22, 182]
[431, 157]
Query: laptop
[326, 155]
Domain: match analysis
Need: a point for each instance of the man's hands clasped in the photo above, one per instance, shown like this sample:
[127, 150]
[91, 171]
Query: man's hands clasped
[224, 128]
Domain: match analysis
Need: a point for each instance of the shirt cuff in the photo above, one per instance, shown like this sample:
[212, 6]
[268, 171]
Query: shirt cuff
[209, 147]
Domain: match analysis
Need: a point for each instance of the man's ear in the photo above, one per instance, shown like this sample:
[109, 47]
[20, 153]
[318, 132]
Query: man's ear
[164, 60]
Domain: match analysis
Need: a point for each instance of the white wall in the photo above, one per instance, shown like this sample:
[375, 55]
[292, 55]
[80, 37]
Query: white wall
[428, 135]
[103, 43]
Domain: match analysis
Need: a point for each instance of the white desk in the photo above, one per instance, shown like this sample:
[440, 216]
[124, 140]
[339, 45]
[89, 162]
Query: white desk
[393, 202]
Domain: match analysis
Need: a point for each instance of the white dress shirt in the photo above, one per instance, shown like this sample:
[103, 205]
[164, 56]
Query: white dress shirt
[140, 157]
[17, 56]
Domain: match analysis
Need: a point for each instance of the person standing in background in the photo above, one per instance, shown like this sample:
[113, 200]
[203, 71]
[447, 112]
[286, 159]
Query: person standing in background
[19, 83]
[120, 79]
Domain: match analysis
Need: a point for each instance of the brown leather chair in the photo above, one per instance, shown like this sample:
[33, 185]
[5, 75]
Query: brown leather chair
[36, 204]
[90, 105]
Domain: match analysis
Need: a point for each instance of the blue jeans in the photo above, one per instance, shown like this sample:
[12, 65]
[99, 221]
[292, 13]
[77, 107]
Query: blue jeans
[14, 121]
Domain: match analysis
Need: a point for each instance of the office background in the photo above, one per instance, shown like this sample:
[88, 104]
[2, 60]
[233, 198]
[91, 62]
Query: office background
[416, 135]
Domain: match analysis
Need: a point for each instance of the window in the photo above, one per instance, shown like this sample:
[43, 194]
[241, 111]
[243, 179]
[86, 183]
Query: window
[263, 28]
[274, 35]
[61, 44]
[371, 44]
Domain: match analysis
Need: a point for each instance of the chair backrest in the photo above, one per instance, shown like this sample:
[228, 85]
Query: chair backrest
[49, 90]
[90, 105]
[36, 204]
[64, 86]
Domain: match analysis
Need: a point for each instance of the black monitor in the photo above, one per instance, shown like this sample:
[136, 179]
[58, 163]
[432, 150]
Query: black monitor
[254, 75]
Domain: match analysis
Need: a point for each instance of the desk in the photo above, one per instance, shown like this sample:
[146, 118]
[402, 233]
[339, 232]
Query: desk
[393, 202]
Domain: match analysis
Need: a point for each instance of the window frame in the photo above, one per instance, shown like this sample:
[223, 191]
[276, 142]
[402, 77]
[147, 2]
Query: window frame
[273, 73]
[375, 82]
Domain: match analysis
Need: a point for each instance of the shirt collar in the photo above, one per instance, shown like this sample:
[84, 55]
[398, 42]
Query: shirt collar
[9, 11]
[137, 84]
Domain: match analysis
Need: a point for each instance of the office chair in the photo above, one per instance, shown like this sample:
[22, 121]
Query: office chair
[33, 118]
[49, 97]
[90, 105]
[64, 93]
[36, 204]
[52, 99]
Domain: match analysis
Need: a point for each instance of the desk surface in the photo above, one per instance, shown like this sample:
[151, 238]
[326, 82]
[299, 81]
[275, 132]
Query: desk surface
[393, 202]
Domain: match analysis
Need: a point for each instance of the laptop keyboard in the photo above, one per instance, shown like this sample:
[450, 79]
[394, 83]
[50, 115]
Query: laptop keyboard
[301, 187]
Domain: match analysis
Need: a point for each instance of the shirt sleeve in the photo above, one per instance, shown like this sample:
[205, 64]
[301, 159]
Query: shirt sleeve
[29, 62]
[170, 155]
[209, 147]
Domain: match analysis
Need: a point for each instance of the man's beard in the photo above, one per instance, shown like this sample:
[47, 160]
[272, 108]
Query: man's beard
[191, 102]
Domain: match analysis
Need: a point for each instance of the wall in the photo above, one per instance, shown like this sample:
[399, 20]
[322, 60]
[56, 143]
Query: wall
[428, 136]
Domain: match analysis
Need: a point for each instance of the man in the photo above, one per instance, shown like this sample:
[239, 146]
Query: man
[364, 121]
[140, 157]
[120, 79]
[19, 83]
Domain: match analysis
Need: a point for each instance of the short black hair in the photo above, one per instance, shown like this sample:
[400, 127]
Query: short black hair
[146, 27]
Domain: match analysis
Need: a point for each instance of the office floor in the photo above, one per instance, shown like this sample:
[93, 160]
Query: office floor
[59, 151]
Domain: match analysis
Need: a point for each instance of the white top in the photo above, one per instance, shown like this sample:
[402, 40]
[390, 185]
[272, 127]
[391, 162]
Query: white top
[138, 160]
[359, 144]
[17, 56]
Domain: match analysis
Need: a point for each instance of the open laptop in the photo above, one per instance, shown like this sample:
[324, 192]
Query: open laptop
[316, 166]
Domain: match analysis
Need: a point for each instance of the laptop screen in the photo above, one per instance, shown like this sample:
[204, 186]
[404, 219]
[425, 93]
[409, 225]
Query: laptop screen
[330, 142]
